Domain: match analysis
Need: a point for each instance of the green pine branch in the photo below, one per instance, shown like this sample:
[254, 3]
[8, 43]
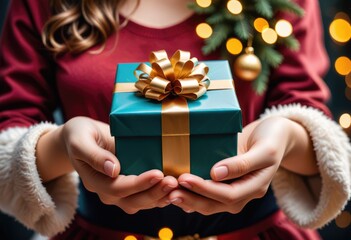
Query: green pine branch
[220, 34]
[231, 17]
[243, 29]
[290, 42]
[264, 8]
[269, 55]
[216, 18]
[287, 5]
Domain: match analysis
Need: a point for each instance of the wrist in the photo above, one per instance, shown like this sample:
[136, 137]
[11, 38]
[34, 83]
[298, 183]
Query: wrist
[51, 156]
[299, 156]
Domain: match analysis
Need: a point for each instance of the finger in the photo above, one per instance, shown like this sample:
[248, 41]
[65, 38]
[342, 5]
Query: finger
[259, 156]
[249, 186]
[152, 197]
[195, 203]
[87, 150]
[206, 188]
[119, 187]
[128, 185]
[191, 202]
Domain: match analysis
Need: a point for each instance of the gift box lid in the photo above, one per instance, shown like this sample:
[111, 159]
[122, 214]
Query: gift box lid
[216, 112]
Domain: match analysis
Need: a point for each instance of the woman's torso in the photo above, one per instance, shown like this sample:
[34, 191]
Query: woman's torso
[85, 84]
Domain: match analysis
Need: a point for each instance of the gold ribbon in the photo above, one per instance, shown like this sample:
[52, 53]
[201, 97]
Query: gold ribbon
[181, 76]
[175, 136]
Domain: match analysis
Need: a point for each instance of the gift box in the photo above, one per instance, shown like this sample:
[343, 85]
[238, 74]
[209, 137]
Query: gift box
[175, 135]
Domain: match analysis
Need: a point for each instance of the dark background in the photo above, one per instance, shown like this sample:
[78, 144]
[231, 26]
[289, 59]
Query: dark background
[339, 104]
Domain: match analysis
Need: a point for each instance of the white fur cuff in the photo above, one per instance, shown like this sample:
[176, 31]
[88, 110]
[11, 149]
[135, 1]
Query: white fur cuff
[295, 193]
[47, 209]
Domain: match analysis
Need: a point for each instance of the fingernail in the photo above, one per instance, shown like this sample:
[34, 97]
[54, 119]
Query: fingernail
[109, 168]
[186, 185]
[176, 201]
[221, 172]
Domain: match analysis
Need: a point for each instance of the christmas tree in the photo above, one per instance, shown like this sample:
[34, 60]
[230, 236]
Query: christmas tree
[230, 25]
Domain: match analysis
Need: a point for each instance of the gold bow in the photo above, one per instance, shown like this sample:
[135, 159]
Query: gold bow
[180, 75]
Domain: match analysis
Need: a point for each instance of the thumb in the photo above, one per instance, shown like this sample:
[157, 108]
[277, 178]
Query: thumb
[257, 157]
[98, 158]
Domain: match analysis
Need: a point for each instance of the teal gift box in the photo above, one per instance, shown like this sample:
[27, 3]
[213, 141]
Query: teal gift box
[137, 124]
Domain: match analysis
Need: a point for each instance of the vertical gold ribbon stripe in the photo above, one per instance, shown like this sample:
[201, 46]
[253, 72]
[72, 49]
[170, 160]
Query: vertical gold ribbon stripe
[175, 136]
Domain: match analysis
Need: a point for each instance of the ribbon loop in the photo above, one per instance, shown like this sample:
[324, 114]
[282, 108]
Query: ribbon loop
[158, 55]
[160, 85]
[180, 75]
[142, 86]
[186, 86]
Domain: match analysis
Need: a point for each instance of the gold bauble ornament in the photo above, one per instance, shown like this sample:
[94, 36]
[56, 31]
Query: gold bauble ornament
[247, 66]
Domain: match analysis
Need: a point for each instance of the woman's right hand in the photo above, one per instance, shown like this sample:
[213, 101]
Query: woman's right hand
[88, 145]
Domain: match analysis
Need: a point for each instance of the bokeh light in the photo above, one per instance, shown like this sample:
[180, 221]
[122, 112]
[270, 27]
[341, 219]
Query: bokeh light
[204, 3]
[130, 237]
[342, 15]
[165, 234]
[260, 24]
[269, 35]
[283, 28]
[343, 220]
[204, 30]
[340, 30]
[234, 6]
[348, 80]
[345, 120]
[234, 46]
[343, 65]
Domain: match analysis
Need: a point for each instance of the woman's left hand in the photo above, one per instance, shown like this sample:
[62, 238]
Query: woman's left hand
[262, 147]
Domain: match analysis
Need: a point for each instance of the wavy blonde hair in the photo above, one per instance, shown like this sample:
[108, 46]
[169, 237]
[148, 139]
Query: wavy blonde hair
[77, 25]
